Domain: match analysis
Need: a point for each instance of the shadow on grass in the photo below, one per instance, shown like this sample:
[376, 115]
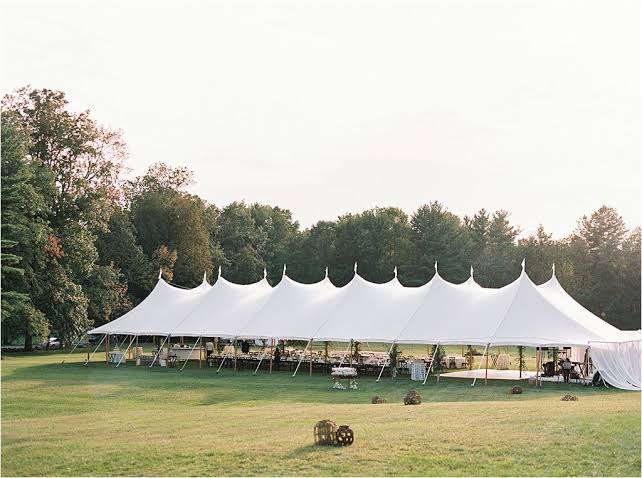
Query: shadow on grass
[231, 388]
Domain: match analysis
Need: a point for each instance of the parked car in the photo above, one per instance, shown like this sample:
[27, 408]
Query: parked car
[54, 343]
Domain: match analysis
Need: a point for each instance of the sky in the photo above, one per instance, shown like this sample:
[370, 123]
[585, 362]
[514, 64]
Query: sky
[330, 107]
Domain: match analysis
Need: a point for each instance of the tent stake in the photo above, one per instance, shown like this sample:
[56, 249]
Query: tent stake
[92, 354]
[432, 361]
[160, 348]
[190, 353]
[385, 362]
[302, 357]
[125, 352]
[480, 364]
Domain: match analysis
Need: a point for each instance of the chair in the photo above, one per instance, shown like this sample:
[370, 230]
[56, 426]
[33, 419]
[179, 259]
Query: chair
[171, 361]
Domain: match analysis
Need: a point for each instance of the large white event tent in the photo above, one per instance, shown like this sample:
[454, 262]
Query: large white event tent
[439, 312]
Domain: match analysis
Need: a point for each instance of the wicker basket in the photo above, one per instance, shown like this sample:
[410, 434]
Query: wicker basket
[412, 398]
[345, 435]
[325, 433]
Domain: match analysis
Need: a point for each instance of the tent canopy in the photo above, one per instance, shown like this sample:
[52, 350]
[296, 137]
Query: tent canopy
[520, 313]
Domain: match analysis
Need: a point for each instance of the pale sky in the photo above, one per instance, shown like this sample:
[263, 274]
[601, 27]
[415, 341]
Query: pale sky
[329, 107]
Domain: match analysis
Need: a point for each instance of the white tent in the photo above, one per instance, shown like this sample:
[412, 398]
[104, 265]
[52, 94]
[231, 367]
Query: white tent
[224, 310]
[294, 311]
[160, 311]
[439, 312]
[369, 312]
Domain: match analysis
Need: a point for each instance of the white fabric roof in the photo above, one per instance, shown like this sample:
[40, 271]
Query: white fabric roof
[293, 311]
[223, 311]
[161, 310]
[369, 312]
[519, 313]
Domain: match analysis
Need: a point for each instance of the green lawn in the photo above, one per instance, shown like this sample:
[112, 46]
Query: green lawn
[98, 420]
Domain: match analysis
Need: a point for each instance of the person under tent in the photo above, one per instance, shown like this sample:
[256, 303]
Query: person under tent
[567, 366]
[277, 357]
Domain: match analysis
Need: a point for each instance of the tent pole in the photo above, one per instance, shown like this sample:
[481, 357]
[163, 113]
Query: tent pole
[310, 362]
[302, 357]
[272, 356]
[344, 357]
[432, 361]
[124, 340]
[107, 351]
[124, 353]
[537, 359]
[235, 355]
[200, 354]
[486, 374]
[190, 353]
[385, 362]
[586, 363]
[480, 364]
[221, 364]
[260, 360]
[224, 357]
[160, 348]
[92, 354]
[72, 351]
[351, 342]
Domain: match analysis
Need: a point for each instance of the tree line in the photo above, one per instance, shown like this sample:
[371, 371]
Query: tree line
[81, 245]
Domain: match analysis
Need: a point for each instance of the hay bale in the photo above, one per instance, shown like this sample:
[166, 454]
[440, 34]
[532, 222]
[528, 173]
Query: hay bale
[377, 399]
[412, 398]
[516, 390]
[569, 398]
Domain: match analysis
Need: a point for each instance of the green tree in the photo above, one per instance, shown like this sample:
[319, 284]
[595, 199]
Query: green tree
[163, 215]
[438, 236]
[242, 243]
[26, 193]
[85, 160]
[377, 239]
[118, 246]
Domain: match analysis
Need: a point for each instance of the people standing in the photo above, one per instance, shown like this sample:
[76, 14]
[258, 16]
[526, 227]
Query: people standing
[277, 357]
[567, 366]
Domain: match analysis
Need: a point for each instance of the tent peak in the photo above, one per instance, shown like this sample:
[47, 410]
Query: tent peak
[326, 272]
[395, 271]
[436, 271]
[472, 272]
[524, 265]
[205, 276]
[220, 271]
[553, 269]
[285, 268]
[160, 273]
[355, 267]
[265, 272]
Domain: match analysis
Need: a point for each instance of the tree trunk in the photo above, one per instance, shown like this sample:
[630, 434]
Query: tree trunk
[28, 342]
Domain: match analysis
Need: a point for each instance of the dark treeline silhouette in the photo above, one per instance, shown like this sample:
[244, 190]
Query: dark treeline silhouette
[80, 246]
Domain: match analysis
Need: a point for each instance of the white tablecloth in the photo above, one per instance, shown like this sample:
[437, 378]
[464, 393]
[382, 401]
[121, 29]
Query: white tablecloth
[418, 370]
[114, 357]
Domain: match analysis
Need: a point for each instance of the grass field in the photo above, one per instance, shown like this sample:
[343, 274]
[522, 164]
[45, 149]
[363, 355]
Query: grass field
[98, 420]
